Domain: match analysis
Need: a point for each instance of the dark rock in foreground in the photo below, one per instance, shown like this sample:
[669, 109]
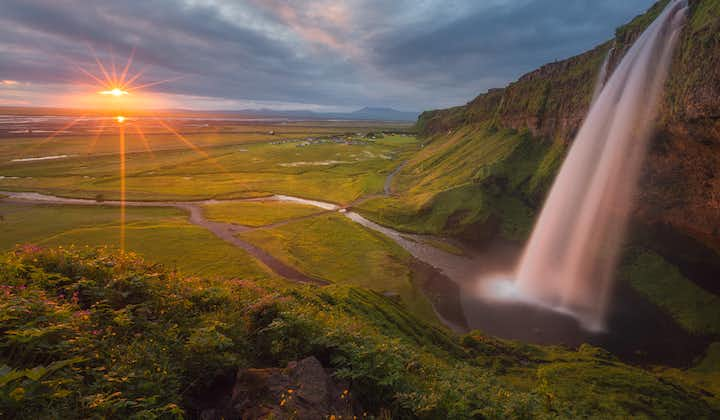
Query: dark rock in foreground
[302, 390]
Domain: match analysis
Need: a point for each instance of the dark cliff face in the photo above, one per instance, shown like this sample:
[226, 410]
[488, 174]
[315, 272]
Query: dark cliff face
[681, 183]
[680, 186]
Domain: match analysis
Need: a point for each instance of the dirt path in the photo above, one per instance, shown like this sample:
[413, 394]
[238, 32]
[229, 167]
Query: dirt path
[228, 232]
[388, 181]
[225, 231]
[449, 269]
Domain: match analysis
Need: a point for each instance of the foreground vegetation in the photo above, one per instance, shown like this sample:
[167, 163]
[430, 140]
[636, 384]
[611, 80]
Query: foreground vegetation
[88, 333]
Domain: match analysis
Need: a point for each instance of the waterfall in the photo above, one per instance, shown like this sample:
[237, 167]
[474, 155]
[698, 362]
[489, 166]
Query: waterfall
[569, 262]
[602, 75]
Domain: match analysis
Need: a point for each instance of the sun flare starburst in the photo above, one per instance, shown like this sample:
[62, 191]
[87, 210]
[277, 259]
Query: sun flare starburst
[118, 87]
[123, 96]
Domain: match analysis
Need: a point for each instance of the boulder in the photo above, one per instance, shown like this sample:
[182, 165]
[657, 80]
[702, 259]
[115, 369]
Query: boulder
[302, 390]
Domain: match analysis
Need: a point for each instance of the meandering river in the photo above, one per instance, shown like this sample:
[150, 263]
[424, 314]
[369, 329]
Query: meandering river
[449, 281]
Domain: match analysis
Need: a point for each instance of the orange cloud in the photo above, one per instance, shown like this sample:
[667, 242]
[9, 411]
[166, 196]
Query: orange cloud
[9, 82]
[334, 13]
[14, 102]
[319, 24]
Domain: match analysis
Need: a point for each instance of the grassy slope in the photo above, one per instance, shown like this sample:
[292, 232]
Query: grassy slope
[540, 101]
[471, 178]
[334, 248]
[695, 309]
[258, 213]
[705, 374]
[163, 235]
[91, 334]
[477, 181]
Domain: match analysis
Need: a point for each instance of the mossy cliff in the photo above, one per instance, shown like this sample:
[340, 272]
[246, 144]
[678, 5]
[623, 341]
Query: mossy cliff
[542, 111]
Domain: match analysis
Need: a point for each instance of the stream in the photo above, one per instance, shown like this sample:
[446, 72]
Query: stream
[439, 270]
[451, 283]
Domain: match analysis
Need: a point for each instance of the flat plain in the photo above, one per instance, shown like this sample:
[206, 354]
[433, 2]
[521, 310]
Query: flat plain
[337, 164]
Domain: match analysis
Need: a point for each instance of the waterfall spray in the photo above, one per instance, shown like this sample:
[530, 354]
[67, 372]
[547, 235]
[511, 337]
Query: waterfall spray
[569, 262]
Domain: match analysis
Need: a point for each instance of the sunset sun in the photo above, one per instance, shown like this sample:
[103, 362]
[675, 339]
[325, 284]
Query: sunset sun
[114, 92]
[359, 209]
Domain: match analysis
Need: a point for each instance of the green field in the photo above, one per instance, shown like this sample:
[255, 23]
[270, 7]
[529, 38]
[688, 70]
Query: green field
[161, 235]
[234, 311]
[257, 213]
[223, 165]
[334, 248]
[319, 162]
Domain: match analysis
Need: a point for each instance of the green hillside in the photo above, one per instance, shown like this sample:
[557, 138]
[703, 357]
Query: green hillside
[87, 333]
[475, 182]
[468, 147]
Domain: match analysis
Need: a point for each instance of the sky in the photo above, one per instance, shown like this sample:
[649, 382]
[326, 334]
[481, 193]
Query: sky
[322, 55]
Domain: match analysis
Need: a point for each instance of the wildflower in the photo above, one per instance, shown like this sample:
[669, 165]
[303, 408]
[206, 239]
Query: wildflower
[18, 394]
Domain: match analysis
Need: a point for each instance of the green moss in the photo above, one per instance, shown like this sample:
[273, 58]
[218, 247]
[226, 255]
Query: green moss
[704, 376]
[549, 165]
[711, 362]
[581, 388]
[625, 32]
[695, 309]
[87, 333]
[705, 15]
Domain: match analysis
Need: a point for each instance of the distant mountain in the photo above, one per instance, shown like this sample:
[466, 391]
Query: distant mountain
[386, 114]
[366, 114]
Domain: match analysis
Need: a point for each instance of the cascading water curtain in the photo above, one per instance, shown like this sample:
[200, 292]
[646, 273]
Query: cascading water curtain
[569, 262]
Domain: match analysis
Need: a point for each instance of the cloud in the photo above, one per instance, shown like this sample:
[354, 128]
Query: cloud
[403, 53]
